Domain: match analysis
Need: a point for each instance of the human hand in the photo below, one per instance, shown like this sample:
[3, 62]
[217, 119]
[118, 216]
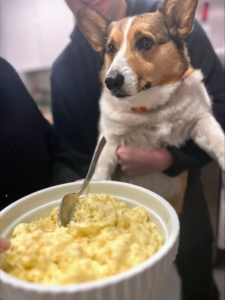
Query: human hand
[4, 244]
[136, 161]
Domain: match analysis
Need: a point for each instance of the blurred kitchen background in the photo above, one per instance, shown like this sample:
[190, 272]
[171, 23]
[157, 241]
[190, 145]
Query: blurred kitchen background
[34, 33]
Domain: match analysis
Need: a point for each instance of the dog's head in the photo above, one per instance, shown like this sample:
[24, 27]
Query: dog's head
[143, 51]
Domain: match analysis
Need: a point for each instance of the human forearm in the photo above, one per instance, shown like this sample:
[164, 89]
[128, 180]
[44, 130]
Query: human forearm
[202, 56]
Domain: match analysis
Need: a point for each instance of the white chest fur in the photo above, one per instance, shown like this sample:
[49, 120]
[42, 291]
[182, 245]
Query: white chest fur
[172, 111]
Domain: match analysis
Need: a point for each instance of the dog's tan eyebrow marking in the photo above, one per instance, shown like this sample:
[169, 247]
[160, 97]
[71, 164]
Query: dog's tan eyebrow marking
[115, 38]
[115, 33]
[110, 41]
[109, 29]
[140, 34]
[152, 25]
[119, 62]
[121, 25]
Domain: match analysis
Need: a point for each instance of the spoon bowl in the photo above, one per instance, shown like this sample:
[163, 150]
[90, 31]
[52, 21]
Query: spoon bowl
[69, 202]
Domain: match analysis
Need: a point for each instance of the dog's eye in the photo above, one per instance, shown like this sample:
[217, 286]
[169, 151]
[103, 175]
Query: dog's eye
[144, 44]
[111, 49]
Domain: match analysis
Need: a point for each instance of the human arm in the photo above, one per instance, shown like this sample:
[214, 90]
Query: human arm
[190, 156]
[206, 133]
[203, 57]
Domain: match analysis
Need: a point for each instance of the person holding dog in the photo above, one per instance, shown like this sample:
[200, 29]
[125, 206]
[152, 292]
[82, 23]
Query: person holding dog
[76, 90]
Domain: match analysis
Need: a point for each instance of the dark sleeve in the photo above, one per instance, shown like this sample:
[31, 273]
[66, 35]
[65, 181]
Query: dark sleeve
[203, 57]
[57, 161]
[32, 154]
[65, 110]
[75, 90]
[67, 165]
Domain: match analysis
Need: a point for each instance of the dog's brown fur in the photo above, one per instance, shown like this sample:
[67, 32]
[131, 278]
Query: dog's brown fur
[167, 45]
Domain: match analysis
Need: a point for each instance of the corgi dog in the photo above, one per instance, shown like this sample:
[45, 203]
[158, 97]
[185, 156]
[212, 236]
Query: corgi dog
[152, 97]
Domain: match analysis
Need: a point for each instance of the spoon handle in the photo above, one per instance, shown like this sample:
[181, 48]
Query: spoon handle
[98, 150]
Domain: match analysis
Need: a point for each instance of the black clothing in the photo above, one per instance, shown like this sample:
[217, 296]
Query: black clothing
[194, 258]
[32, 155]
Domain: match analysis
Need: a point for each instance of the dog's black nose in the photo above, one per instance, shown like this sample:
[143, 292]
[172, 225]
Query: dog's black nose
[114, 81]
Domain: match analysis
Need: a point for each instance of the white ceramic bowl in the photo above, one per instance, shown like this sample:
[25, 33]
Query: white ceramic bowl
[143, 282]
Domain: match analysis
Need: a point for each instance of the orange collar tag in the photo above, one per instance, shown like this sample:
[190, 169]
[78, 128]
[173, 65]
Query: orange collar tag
[140, 109]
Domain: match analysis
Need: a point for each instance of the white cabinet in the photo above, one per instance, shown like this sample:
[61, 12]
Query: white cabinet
[34, 32]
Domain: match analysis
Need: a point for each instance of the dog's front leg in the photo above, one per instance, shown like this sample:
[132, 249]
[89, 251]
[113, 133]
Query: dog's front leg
[208, 135]
[107, 162]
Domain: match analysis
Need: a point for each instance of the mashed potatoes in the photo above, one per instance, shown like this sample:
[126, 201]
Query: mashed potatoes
[105, 239]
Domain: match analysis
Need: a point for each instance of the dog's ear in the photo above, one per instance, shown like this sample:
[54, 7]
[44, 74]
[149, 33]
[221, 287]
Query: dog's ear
[179, 15]
[94, 26]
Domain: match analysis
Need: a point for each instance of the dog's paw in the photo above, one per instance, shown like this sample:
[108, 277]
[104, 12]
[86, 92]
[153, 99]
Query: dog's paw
[101, 174]
[221, 161]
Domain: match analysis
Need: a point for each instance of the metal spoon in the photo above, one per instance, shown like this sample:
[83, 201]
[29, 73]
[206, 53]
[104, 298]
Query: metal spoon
[67, 206]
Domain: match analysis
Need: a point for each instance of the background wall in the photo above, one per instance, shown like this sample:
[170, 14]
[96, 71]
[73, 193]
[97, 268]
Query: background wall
[32, 35]
[34, 32]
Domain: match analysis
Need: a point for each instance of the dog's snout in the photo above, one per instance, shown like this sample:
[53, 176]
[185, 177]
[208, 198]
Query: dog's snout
[114, 81]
